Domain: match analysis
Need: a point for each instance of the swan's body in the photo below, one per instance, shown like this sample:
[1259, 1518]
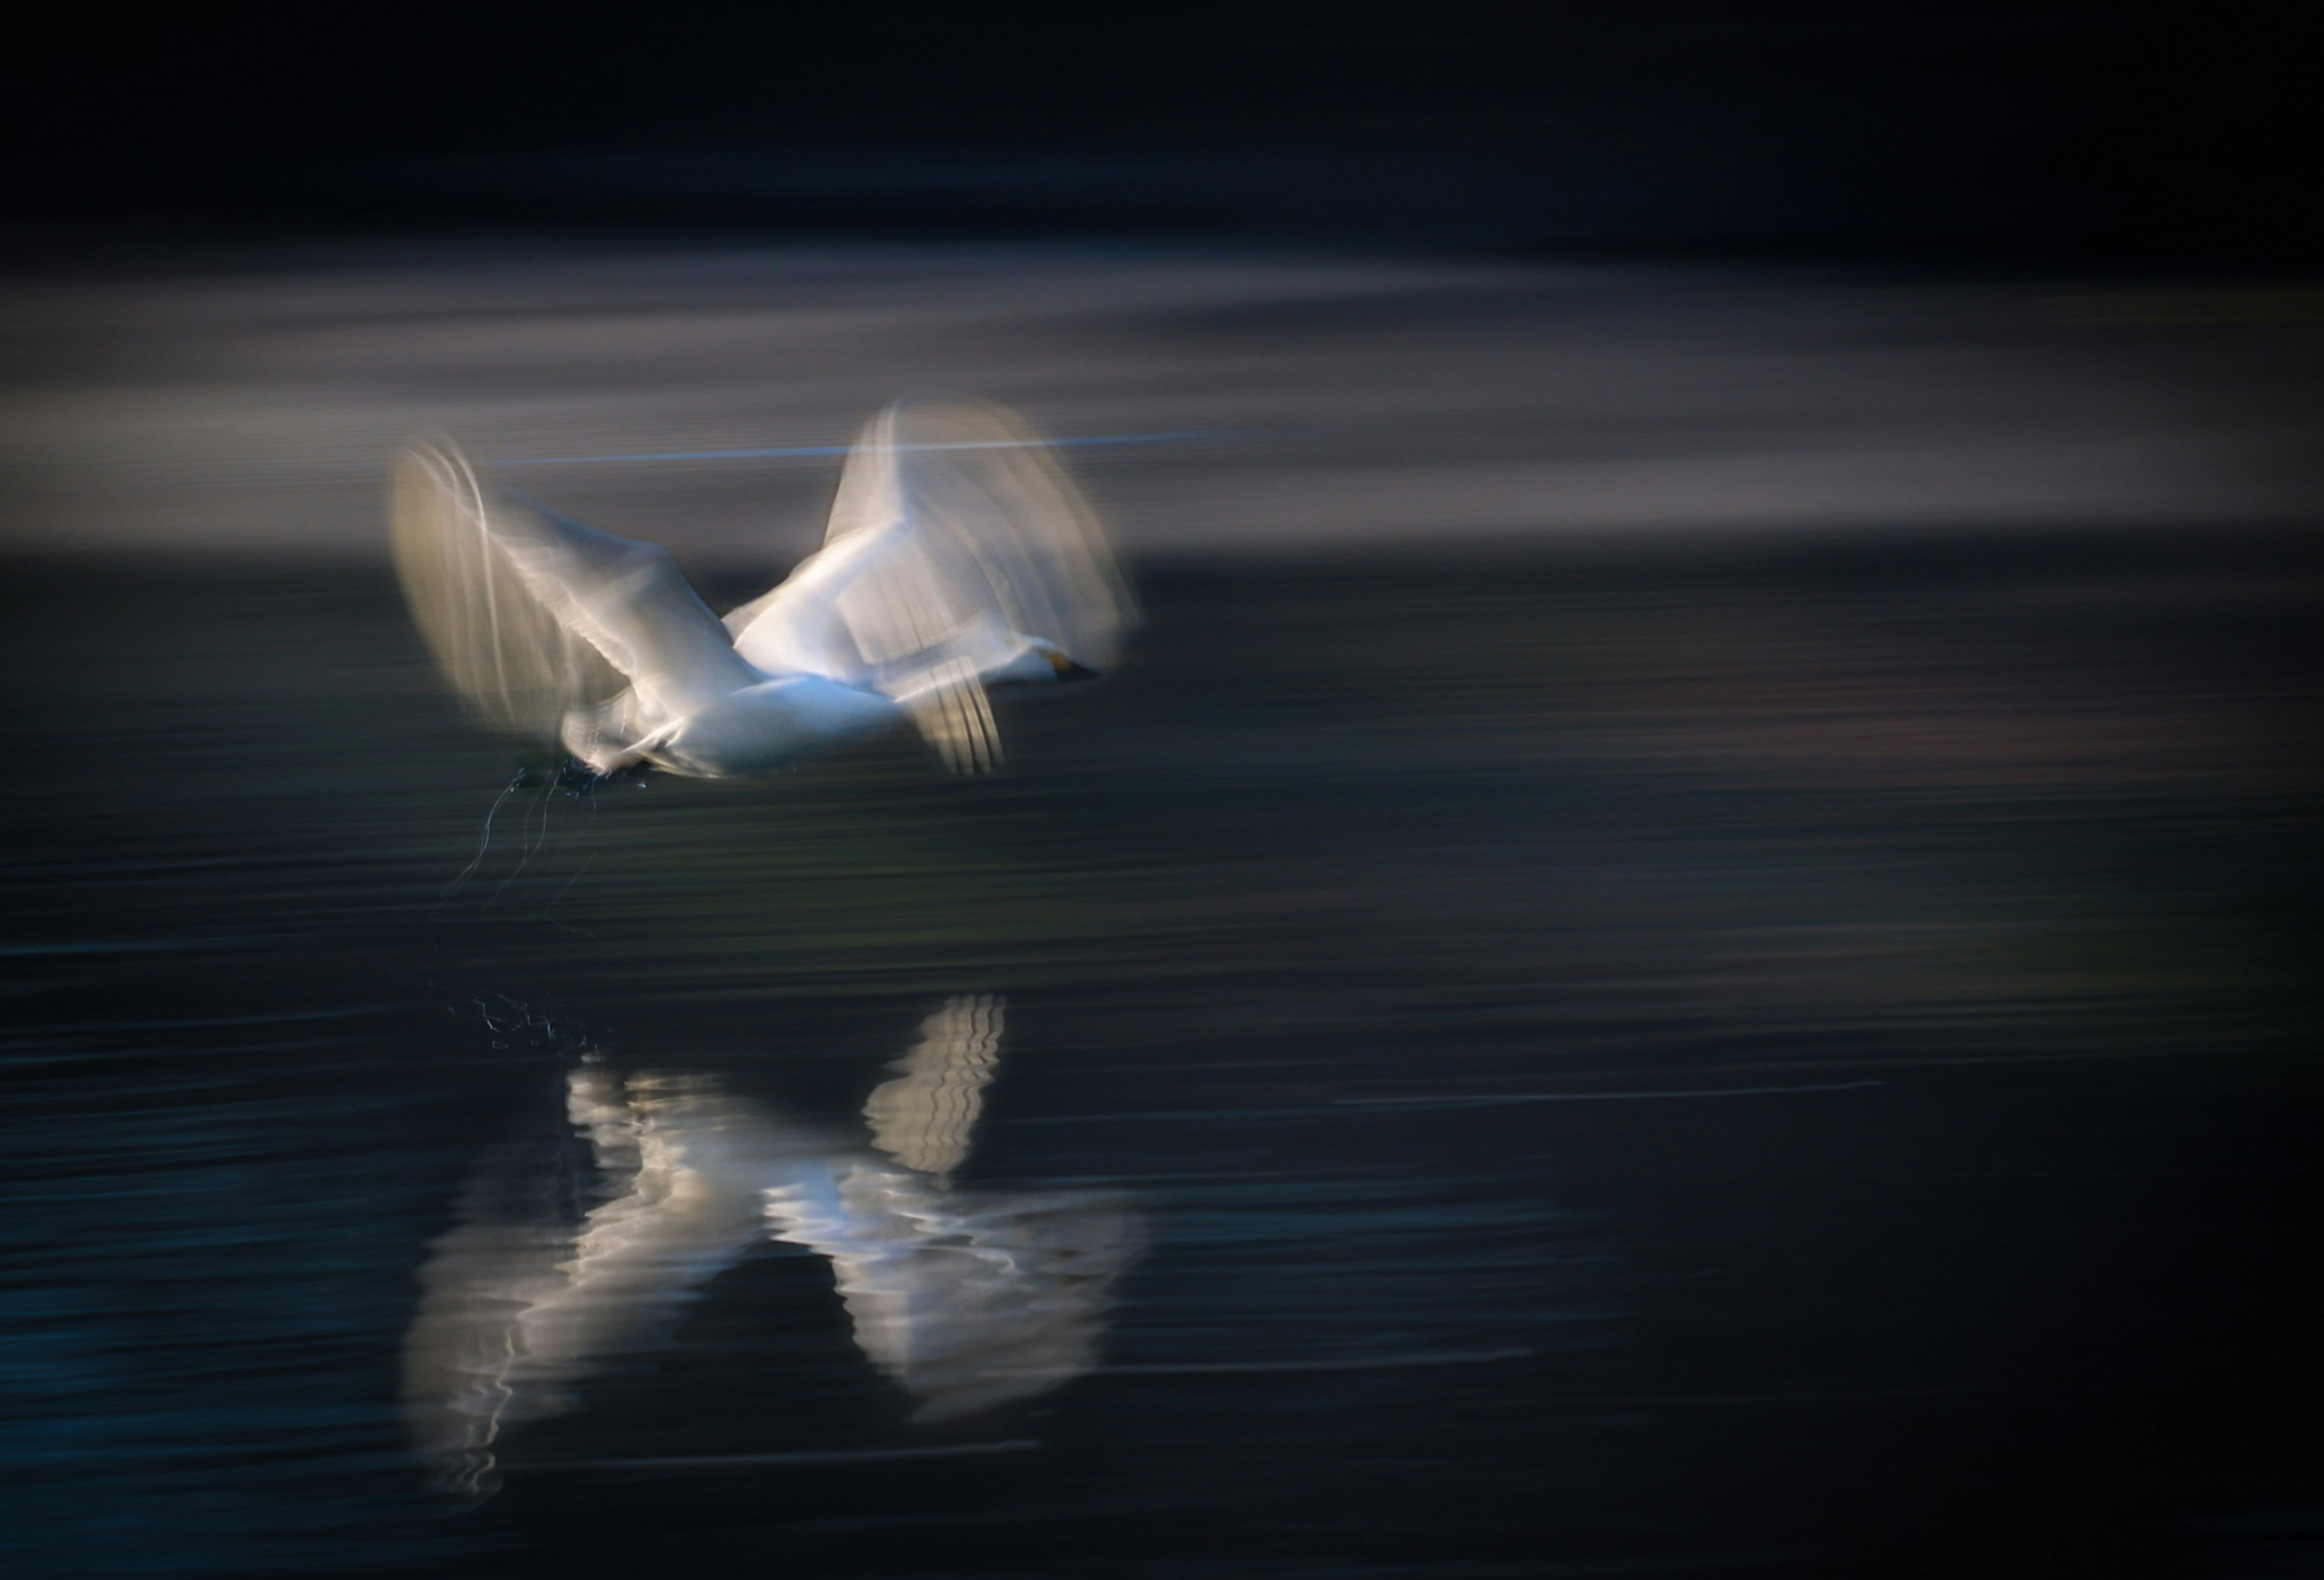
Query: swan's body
[958, 557]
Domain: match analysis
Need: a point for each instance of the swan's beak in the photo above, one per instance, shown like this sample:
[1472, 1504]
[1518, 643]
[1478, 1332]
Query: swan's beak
[1067, 669]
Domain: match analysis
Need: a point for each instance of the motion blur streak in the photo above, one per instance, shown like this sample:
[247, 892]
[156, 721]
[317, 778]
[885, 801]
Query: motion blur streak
[1381, 400]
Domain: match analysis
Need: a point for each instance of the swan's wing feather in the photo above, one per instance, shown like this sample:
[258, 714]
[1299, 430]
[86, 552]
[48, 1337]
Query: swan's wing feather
[512, 660]
[795, 628]
[994, 528]
[949, 706]
[629, 602]
[531, 615]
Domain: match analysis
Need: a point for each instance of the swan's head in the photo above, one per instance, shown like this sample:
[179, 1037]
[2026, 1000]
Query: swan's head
[1038, 662]
[1064, 666]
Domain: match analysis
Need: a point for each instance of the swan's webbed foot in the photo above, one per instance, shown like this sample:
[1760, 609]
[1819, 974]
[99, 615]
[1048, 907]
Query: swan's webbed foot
[575, 776]
[582, 776]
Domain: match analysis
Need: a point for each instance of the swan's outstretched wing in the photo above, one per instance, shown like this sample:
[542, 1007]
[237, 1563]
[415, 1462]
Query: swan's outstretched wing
[532, 616]
[955, 538]
[997, 528]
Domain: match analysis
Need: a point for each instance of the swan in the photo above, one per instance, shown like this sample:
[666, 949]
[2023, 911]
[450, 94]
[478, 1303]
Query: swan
[959, 558]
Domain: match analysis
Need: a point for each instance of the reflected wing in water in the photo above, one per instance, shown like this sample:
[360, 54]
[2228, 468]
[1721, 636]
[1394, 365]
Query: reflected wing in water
[967, 1299]
[922, 1119]
[530, 1294]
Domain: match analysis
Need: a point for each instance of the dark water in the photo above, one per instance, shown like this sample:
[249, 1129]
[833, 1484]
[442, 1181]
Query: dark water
[1773, 1058]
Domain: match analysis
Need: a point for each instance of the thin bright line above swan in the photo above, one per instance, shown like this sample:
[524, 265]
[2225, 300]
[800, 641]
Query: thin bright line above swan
[809, 452]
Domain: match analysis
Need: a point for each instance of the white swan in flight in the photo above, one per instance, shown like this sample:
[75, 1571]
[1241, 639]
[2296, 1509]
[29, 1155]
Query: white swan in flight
[966, 1299]
[959, 558]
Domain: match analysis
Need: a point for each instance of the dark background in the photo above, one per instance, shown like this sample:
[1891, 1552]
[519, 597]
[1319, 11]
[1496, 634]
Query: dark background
[1985, 134]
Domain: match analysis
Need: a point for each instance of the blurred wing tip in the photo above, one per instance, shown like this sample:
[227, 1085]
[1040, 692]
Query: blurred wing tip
[440, 455]
[956, 719]
[500, 649]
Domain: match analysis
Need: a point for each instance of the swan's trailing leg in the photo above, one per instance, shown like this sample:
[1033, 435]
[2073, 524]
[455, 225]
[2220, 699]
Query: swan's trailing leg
[577, 778]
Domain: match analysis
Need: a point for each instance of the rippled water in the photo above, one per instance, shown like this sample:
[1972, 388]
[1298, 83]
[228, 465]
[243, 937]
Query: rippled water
[1781, 1058]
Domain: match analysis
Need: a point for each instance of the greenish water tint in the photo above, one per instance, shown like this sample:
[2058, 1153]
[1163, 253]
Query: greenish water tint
[1969, 884]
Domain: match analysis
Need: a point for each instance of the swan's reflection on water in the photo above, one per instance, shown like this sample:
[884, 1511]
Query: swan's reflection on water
[968, 1299]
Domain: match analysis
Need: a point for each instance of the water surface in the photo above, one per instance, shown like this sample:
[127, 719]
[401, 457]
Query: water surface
[1781, 1058]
